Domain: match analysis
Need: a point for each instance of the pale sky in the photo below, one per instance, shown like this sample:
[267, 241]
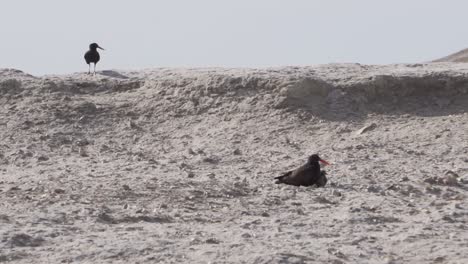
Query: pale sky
[51, 36]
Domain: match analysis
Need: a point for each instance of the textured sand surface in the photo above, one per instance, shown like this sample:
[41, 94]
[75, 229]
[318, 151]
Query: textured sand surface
[177, 165]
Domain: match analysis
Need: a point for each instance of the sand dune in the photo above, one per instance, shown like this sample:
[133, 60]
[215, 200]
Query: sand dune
[460, 56]
[177, 165]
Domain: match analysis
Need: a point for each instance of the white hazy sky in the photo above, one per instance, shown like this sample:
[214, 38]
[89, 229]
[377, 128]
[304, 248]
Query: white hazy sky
[51, 36]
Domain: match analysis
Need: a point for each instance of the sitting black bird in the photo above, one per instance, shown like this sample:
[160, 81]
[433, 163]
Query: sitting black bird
[92, 56]
[307, 175]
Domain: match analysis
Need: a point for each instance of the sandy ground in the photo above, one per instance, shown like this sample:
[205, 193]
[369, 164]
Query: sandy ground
[177, 165]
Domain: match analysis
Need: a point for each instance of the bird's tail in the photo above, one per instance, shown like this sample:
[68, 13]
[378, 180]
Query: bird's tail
[279, 179]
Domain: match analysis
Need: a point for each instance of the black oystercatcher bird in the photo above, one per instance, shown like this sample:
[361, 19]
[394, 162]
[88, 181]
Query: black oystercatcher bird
[306, 175]
[92, 56]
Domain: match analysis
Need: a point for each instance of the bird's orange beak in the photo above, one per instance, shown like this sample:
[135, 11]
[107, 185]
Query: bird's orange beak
[324, 162]
[100, 48]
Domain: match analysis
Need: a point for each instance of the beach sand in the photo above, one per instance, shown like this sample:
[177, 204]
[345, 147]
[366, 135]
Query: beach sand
[177, 165]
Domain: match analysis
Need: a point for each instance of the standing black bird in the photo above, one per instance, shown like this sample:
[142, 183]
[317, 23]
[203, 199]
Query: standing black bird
[306, 175]
[92, 56]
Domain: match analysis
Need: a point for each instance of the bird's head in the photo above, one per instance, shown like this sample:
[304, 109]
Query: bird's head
[315, 158]
[94, 46]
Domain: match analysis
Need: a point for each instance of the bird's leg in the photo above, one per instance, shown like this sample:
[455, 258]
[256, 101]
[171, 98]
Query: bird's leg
[94, 68]
[89, 68]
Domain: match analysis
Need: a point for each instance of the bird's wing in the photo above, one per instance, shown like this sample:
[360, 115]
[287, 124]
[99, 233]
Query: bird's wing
[299, 170]
[86, 57]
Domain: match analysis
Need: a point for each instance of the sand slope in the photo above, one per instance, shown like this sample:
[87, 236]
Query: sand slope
[460, 56]
[176, 165]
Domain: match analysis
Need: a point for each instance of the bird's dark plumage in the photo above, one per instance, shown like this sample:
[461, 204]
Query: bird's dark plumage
[322, 180]
[92, 56]
[307, 175]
